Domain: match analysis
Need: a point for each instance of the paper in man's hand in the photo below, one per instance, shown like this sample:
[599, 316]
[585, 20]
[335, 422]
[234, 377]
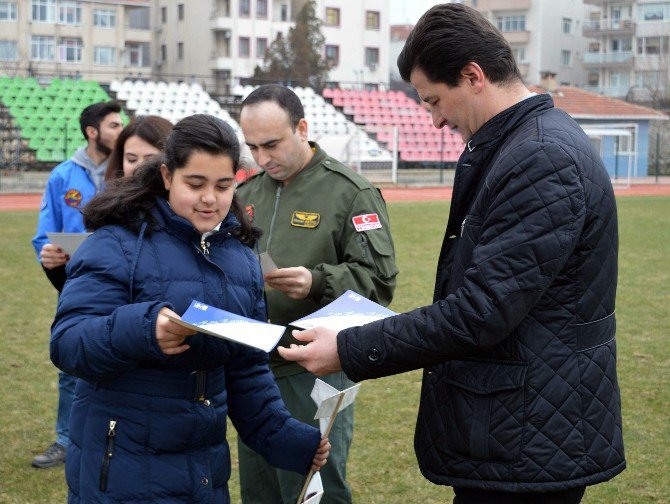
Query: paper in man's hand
[267, 263]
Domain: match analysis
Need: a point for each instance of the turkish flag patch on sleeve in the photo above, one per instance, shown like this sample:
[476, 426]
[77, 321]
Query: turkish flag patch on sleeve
[366, 222]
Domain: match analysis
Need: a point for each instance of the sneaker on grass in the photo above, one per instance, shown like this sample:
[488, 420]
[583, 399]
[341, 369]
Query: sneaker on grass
[53, 456]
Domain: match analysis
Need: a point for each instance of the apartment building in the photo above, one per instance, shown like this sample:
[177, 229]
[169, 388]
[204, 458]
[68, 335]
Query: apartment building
[217, 43]
[98, 40]
[629, 54]
[546, 36]
[220, 42]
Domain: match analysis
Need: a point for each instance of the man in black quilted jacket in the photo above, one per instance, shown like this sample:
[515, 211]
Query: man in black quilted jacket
[520, 401]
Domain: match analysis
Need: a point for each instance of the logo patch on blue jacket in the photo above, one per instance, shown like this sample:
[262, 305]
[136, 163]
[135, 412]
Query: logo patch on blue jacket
[73, 198]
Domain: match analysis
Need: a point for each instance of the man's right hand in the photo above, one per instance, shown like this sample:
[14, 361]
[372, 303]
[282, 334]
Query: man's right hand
[52, 256]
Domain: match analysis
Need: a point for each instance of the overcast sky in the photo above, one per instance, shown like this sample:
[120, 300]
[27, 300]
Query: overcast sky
[409, 11]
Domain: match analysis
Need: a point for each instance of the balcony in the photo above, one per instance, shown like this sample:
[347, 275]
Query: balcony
[601, 2]
[517, 37]
[612, 59]
[504, 5]
[523, 69]
[604, 27]
[222, 63]
[611, 91]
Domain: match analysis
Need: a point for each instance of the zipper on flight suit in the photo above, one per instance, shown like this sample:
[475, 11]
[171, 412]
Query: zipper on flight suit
[274, 214]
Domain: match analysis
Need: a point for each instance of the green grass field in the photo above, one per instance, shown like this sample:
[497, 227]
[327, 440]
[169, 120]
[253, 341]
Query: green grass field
[382, 467]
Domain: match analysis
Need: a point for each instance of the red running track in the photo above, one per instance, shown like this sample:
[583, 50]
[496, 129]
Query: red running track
[11, 202]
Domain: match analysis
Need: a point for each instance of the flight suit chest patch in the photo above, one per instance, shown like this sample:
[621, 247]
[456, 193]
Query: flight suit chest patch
[307, 220]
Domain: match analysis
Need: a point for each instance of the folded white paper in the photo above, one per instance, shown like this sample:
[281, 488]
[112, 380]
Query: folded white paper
[314, 490]
[349, 310]
[230, 326]
[327, 398]
[69, 242]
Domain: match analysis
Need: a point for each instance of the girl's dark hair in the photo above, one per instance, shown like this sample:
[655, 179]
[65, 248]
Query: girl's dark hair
[128, 201]
[150, 128]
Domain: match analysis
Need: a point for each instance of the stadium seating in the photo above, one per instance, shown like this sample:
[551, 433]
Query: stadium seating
[170, 100]
[48, 117]
[379, 112]
[337, 135]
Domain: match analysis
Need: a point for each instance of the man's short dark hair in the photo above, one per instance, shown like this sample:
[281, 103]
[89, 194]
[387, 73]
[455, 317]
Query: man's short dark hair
[282, 96]
[448, 37]
[95, 113]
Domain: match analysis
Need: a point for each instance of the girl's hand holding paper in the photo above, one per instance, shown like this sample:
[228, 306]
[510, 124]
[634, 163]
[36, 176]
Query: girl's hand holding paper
[170, 335]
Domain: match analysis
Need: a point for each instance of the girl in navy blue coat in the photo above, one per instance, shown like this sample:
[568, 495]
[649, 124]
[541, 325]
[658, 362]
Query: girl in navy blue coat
[148, 423]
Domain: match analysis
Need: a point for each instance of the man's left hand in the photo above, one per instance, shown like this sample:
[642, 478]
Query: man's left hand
[294, 282]
[319, 356]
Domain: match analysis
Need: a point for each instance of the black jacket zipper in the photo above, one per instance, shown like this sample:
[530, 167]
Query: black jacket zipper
[109, 453]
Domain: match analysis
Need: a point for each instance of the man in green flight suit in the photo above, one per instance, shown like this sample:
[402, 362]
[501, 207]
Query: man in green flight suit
[327, 229]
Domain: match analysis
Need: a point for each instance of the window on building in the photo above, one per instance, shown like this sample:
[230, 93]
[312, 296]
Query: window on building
[566, 58]
[372, 20]
[654, 11]
[180, 50]
[7, 11]
[567, 25]
[651, 80]
[8, 50]
[137, 54]
[42, 48]
[180, 12]
[138, 18]
[284, 12]
[261, 47]
[69, 12]
[244, 51]
[333, 55]
[223, 8]
[512, 23]
[70, 50]
[652, 45]
[332, 16]
[262, 9]
[43, 11]
[163, 15]
[593, 78]
[371, 57]
[245, 8]
[104, 18]
[519, 54]
[163, 52]
[621, 45]
[104, 56]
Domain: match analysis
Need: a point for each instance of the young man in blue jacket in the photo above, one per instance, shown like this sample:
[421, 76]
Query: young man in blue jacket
[520, 401]
[71, 185]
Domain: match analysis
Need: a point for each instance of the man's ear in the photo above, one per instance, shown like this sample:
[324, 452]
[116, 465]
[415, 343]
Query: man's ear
[91, 132]
[303, 129]
[473, 76]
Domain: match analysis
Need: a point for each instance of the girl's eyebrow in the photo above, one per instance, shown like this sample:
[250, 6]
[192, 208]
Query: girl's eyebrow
[203, 178]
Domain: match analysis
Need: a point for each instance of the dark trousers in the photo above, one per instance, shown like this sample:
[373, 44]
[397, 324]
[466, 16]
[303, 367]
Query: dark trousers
[473, 496]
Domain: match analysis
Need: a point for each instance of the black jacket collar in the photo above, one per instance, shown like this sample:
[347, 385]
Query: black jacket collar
[480, 151]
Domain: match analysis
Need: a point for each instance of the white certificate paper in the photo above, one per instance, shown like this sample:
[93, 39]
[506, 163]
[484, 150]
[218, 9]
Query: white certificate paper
[230, 326]
[69, 242]
[349, 310]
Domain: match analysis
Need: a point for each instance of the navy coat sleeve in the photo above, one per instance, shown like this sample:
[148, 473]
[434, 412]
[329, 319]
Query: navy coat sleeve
[258, 412]
[535, 214]
[97, 334]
